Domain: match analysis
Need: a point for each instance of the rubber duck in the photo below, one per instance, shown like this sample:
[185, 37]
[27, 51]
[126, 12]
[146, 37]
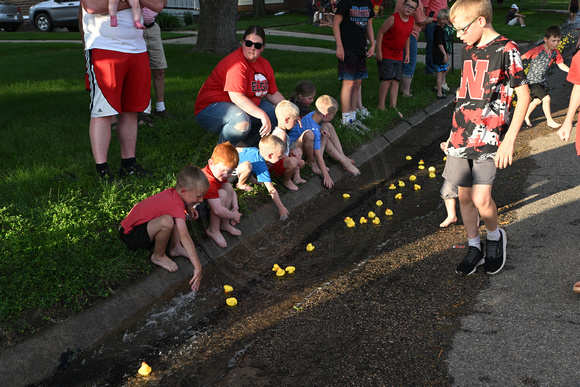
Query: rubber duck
[376, 221]
[401, 183]
[416, 187]
[275, 267]
[389, 212]
[363, 220]
[346, 196]
[379, 203]
[444, 158]
[392, 186]
[431, 169]
[421, 162]
[310, 247]
[290, 269]
[371, 215]
[144, 370]
[228, 288]
[280, 272]
[412, 178]
[432, 175]
[408, 158]
[350, 223]
[421, 167]
[231, 301]
[399, 196]
[347, 219]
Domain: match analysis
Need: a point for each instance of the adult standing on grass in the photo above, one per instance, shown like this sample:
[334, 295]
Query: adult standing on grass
[432, 8]
[116, 56]
[230, 102]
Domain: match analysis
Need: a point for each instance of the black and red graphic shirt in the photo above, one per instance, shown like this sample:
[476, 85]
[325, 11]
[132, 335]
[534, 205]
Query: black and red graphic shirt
[482, 116]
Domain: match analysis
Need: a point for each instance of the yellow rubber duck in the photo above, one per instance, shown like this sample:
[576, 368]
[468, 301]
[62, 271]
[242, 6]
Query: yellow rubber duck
[379, 203]
[346, 196]
[392, 186]
[290, 269]
[431, 169]
[280, 272]
[421, 167]
[444, 158]
[376, 221]
[401, 183]
[363, 220]
[310, 247]
[347, 219]
[416, 187]
[371, 214]
[145, 369]
[389, 212]
[432, 175]
[399, 196]
[231, 301]
[412, 178]
[275, 267]
[421, 162]
[408, 158]
[350, 223]
[228, 288]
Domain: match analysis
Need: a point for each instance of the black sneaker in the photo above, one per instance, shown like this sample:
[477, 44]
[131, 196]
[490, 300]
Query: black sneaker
[106, 175]
[495, 254]
[134, 170]
[473, 259]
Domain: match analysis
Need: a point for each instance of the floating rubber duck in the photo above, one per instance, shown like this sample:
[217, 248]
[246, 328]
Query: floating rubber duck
[280, 272]
[363, 220]
[432, 175]
[401, 183]
[379, 203]
[290, 269]
[371, 215]
[399, 196]
[416, 187]
[144, 370]
[421, 162]
[231, 301]
[389, 212]
[408, 158]
[392, 186]
[275, 267]
[412, 178]
[421, 167]
[444, 158]
[350, 223]
[431, 169]
[228, 288]
[346, 196]
[310, 247]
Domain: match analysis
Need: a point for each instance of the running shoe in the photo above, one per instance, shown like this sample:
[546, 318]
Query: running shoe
[495, 254]
[473, 259]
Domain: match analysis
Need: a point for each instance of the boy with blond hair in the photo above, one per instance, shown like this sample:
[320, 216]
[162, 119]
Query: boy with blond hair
[159, 221]
[316, 135]
[482, 137]
[220, 200]
[288, 167]
[253, 163]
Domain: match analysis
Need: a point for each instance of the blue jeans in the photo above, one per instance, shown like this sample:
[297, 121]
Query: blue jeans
[222, 118]
[409, 68]
[429, 66]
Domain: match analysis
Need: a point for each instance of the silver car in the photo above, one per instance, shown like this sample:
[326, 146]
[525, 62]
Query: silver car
[55, 13]
[10, 17]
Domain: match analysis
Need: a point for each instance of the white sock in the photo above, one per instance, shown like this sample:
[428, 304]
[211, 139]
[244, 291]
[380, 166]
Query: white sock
[159, 106]
[475, 242]
[345, 118]
[493, 235]
[353, 116]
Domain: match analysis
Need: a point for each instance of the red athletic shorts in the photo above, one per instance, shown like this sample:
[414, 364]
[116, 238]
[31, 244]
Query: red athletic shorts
[277, 169]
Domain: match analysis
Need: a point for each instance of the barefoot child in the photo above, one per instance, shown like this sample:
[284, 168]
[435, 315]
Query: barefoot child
[289, 165]
[316, 135]
[220, 200]
[135, 8]
[159, 221]
[542, 58]
[253, 162]
[449, 194]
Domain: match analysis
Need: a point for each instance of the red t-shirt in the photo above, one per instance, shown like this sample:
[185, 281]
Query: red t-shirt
[214, 184]
[167, 202]
[574, 73]
[395, 38]
[235, 74]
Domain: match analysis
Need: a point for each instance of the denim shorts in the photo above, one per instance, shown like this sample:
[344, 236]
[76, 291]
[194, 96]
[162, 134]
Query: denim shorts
[467, 172]
[409, 68]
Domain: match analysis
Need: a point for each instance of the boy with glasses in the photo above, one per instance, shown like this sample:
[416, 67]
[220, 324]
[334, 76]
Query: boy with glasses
[483, 136]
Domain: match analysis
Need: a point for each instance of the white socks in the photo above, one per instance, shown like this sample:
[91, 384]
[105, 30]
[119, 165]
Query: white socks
[349, 117]
[493, 235]
[159, 106]
[475, 242]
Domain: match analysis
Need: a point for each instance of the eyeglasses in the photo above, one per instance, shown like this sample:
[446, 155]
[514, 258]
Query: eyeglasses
[463, 31]
[249, 43]
[410, 6]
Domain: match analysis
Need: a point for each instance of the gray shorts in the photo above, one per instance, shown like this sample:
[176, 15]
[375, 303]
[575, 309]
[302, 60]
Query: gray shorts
[467, 172]
[390, 69]
[152, 36]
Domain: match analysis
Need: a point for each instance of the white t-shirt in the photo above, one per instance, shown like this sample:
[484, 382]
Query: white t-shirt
[275, 133]
[123, 38]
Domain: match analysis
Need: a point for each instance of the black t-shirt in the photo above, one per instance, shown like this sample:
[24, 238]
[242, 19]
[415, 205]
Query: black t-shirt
[438, 38]
[510, 15]
[353, 28]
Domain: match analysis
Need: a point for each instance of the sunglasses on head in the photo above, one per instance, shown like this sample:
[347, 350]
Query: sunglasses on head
[249, 43]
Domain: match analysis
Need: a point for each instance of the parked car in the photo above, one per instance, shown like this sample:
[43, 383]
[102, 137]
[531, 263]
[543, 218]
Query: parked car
[10, 17]
[55, 13]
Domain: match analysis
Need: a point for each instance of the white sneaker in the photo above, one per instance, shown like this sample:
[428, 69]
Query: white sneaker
[363, 113]
[445, 87]
[359, 126]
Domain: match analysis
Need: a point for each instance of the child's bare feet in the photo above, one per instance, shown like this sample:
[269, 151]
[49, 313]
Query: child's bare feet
[576, 287]
[553, 125]
[230, 229]
[315, 168]
[178, 251]
[299, 180]
[448, 221]
[138, 25]
[351, 168]
[217, 237]
[528, 123]
[290, 185]
[165, 262]
[245, 187]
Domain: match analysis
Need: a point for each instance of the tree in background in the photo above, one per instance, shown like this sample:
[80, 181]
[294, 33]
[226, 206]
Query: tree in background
[217, 26]
[259, 8]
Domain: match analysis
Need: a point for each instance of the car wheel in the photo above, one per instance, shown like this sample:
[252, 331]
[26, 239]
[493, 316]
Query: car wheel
[43, 23]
